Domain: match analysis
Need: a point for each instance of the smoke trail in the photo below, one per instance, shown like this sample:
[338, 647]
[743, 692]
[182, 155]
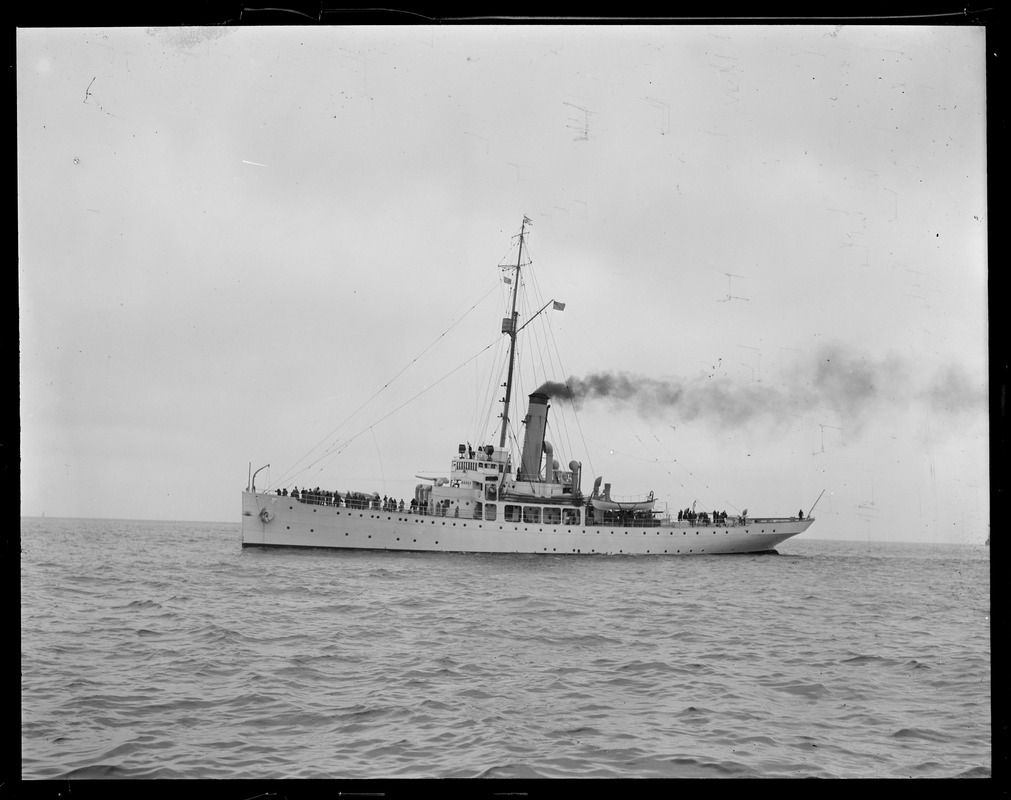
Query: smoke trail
[859, 388]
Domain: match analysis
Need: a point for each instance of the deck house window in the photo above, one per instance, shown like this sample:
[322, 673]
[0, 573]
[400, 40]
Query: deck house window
[512, 513]
[552, 516]
[531, 514]
[489, 511]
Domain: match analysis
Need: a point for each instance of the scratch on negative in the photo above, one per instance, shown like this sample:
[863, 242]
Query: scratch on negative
[87, 95]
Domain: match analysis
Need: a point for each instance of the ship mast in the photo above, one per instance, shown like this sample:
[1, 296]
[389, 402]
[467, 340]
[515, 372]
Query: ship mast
[509, 326]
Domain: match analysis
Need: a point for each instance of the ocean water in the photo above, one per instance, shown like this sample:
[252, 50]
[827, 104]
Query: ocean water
[165, 650]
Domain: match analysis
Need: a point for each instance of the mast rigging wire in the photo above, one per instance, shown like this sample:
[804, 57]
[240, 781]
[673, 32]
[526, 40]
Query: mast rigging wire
[292, 473]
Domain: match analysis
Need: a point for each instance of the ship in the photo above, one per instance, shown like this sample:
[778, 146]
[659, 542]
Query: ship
[489, 502]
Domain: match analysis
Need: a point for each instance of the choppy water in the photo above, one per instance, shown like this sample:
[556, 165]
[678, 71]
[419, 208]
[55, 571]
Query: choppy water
[163, 650]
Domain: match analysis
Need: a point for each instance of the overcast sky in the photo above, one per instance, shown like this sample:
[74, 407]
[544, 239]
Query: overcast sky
[282, 245]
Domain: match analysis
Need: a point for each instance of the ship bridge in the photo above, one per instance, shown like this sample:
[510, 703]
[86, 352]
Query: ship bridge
[486, 464]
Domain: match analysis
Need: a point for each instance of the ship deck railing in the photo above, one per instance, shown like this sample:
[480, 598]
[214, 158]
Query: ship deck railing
[729, 522]
[615, 519]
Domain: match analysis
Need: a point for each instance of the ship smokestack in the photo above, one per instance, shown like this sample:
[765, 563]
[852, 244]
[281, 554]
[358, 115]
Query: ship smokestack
[533, 441]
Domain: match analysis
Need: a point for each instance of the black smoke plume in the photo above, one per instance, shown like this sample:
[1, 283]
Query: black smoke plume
[856, 387]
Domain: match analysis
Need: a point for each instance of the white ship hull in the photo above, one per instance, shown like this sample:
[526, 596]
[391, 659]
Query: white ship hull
[270, 520]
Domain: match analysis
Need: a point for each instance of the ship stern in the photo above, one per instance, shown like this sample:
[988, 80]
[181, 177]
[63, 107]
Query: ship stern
[252, 525]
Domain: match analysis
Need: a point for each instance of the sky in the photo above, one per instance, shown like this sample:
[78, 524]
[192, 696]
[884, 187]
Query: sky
[285, 246]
